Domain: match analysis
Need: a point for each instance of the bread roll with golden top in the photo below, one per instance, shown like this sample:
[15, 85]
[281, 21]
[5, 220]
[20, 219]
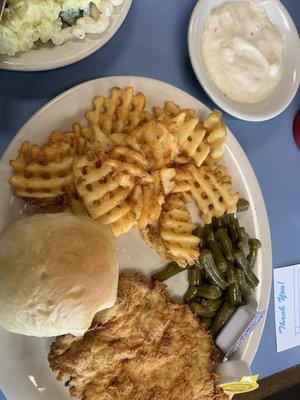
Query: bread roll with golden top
[56, 272]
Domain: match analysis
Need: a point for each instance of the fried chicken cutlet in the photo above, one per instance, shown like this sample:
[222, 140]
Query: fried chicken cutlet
[146, 347]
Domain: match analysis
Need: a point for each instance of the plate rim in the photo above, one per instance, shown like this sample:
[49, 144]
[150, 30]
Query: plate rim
[218, 100]
[74, 59]
[253, 341]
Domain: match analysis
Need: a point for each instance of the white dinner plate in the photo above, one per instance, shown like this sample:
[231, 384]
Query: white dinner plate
[47, 56]
[24, 370]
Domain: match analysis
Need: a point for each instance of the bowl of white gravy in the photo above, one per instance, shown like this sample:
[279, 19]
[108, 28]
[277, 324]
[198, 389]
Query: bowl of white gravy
[246, 55]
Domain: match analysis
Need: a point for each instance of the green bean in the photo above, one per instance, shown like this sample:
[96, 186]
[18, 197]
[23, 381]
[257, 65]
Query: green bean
[226, 297]
[223, 221]
[244, 246]
[222, 316]
[197, 265]
[243, 241]
[242, 205]
[216, 223]
[252, 278]
[212, 272]
[225, 242]
[218, 256]
[255, 245]
[191, 293]
[243, 284]
[240, 259]
[209, 291]
[233, 232]
[211, 304]
[194, 276]
[243, 235]
[236, 222]
[209, 232]
[234, 295]
[199, 309]
[231, 273]
[242, 263]
[206, 321]
[170, 270]
[199, 231]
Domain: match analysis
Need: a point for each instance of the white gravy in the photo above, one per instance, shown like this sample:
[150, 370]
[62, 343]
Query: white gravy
[242, 51]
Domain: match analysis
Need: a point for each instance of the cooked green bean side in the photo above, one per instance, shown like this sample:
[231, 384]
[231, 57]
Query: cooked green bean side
[199, 231]
[201, 310]
[234, 295]
[243, 235]
[233, 232]
[206, 321]
[209, 233]
[191, 293]
[255, 245]
[245, 287]
[211, 270]
[222, 277]
[225, 243]
[218, 256]
[243, 241]
[222, 316]
[231, 273]
[211, 305]
[170, 270]
[217, 223]
[242, 263]
[194, 276]
[242, 205]
[223, 221]
[209, 291]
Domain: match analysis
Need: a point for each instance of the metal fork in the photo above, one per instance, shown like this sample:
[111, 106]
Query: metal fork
[2, 6]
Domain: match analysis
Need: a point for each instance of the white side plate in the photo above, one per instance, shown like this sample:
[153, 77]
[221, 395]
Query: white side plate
[289, 83]
[24, 370]
[47, 56]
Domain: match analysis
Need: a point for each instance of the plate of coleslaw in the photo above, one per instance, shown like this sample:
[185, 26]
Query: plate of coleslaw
[37, 35]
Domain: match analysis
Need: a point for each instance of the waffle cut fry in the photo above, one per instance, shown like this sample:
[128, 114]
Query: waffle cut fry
[120, 219]
[190, 134]
[151, 198]
[128, 169]
[151, 235]
[43, 176]
[85, 141]
[101, 190]
[176, 231]
[157, 142]
[177, 180]
[183, 183]
[57, 136]
[216, 134]
[93, 139]
[129, 161]
[171, 110]
[222, 175]
[122, 112]
[168, 179]
[213, 197]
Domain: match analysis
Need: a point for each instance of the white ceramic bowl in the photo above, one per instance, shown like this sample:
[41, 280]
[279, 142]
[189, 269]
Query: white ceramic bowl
[288, 86]
[47, 56]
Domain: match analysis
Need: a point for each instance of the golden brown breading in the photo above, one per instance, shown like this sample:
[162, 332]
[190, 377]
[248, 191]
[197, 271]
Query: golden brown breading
[146, 347]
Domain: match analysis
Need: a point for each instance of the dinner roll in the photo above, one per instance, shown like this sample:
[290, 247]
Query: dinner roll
[56, 272]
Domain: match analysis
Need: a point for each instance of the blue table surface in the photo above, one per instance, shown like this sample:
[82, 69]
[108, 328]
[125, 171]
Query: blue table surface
[152, 42]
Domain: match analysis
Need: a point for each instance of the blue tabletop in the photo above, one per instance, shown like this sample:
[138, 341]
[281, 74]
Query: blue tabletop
[152, 42]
